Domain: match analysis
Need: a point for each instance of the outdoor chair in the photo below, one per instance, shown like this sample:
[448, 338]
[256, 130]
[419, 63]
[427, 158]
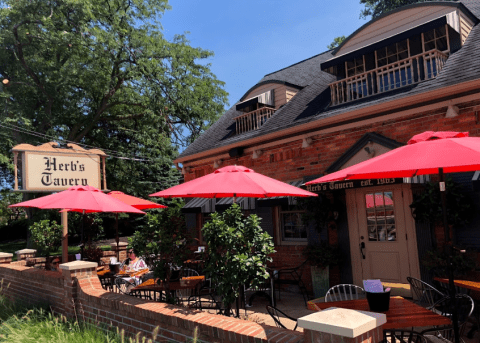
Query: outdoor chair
[291, 276]
[183, 295]
[426, 294]
[344, 292]
[146, 276]
[142, 294]
[122, 286]
[278, 315]
[265, 290]
[204, 302]
[465, 307]
[403, 336]
[106, 283]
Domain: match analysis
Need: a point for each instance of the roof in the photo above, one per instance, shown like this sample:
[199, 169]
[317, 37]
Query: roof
[312, 102]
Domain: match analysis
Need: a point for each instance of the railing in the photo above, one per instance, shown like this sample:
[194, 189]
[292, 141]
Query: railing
[253, 120]
[392, 76]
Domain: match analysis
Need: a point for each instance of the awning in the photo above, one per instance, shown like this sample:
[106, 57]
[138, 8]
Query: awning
[245, 203]
[264, 99]
[280, 201]
[199, 205]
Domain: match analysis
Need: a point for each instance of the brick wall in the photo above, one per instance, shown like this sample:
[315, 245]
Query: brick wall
[289, 161]
[77, 293]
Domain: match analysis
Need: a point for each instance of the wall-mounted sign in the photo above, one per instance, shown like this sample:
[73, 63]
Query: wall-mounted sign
[52, 168]
[338, 185]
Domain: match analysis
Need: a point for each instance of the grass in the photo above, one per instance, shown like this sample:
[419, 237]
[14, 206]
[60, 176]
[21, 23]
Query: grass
[12, 246]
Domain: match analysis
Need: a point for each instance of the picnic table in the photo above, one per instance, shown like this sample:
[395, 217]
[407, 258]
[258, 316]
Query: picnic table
[402, 313]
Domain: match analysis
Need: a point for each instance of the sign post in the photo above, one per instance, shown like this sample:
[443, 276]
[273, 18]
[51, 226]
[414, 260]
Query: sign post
[52, 168]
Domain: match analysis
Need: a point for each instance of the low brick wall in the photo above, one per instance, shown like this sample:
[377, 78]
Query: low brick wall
[77, 293]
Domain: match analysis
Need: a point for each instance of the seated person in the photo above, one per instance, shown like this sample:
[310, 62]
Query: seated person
[54, 265]
[133, 263]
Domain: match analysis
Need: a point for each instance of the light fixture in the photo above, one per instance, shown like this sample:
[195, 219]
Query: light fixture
[306, 142]
[257, 153]
[217, 163]
[370, 151]
[452, 111]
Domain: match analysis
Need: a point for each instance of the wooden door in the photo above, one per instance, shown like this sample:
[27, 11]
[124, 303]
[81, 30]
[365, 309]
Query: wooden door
[383, 247]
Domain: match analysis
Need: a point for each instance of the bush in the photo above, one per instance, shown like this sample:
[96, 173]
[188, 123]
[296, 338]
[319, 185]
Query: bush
[322, 254]
[237, 252]
[46, 236]
[436, 262]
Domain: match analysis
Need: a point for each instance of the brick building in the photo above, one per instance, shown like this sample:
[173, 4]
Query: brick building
[410, 70]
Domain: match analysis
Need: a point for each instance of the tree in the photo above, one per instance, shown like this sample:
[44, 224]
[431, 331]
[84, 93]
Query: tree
[336, 42]
[101, 73]
[46, 236]
[375, 8]
[238, 252]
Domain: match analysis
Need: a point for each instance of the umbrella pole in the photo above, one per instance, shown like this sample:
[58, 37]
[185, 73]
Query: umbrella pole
[116, 236]
[65, 237]
[449, 251]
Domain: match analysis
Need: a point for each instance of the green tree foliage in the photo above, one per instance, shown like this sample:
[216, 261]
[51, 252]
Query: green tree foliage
[336, 42]
[237, 252]
[46, 236]
[100, 72]
[375, 8]
[163, 240]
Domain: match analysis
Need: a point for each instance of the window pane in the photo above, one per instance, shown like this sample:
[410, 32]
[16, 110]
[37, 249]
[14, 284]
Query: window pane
[292, 226]
[382, 62]
[380, 216]
[440, 32]
[350, 64]
[381, 53]
[402, 46]
[403, 55]
[442, 44]
[428, 36]
[392, 59]
[392, 50]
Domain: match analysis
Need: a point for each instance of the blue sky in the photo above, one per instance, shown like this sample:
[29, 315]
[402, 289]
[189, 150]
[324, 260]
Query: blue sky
[254, 38]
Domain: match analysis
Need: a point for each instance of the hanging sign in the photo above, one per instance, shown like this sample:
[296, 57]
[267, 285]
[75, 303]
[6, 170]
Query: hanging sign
[52, 168]
[338, 185]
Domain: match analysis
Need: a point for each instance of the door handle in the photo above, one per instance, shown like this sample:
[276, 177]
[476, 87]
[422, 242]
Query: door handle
[362, 246]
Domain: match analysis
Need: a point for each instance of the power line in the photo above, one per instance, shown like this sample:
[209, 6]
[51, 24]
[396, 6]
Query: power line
[112, 153]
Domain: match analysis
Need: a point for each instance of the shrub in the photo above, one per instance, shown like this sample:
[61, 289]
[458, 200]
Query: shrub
[46, 236]
[322, 254]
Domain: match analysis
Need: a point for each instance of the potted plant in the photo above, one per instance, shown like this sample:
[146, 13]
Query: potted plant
[321, 256]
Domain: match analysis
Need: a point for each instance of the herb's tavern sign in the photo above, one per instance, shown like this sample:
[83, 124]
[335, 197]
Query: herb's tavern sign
[50, 167]
[332, 186]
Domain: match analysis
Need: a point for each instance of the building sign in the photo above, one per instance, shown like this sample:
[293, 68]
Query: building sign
[52, 168]
[60, 171]
[338, 185]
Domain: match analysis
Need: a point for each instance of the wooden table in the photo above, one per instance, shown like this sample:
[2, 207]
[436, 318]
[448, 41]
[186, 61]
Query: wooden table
[152, 290]
[470, 285]
[402, 313]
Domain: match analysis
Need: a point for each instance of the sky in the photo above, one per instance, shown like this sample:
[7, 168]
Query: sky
[253, 38]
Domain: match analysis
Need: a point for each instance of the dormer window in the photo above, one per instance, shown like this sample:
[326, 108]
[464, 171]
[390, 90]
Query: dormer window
[257, 111]
[397, 50]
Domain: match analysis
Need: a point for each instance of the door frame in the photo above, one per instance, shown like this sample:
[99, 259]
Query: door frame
[353, 231]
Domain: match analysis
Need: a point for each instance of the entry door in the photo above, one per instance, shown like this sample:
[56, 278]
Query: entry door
[383, 248]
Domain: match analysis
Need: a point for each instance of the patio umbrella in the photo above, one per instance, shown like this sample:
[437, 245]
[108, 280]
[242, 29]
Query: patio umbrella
[138, 203]
[426, 153]
[79, 199]
[233, 181]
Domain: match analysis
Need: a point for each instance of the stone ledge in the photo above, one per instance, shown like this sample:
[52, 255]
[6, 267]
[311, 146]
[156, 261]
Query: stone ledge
[5, 254]
[75, 265]
[26, 251]
[342, 322]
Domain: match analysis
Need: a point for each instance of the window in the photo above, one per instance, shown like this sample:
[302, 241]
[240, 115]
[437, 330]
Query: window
[355, 67]
[435, 39]
[380, 217]
[291, 225]
[392, 53]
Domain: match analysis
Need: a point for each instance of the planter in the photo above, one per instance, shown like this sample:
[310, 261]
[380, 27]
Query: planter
[320, 281]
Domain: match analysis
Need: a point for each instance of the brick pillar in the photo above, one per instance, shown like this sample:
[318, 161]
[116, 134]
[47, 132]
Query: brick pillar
[5, 257]
[122, 249]
[73, 272]
[25, 253]
[335, 325]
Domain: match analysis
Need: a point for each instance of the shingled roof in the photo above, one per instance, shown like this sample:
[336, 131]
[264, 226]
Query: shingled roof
[312, 102]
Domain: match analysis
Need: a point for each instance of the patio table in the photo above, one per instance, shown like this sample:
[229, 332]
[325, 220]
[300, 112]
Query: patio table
[152, 287]
[402, 313]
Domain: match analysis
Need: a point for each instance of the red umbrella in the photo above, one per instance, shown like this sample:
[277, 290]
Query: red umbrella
[79, 199]
[138, 203]
[426, 153]
[233, 181]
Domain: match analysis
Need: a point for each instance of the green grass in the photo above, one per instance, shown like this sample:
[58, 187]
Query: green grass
[13, 246]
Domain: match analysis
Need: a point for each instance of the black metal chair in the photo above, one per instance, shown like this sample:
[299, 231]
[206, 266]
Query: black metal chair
[426, 294]
[465, 307]
[277, 316]
[265, 289]
[403, 336]
[344, 292]
[123, 286]
[291, 276]
[106, 283]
